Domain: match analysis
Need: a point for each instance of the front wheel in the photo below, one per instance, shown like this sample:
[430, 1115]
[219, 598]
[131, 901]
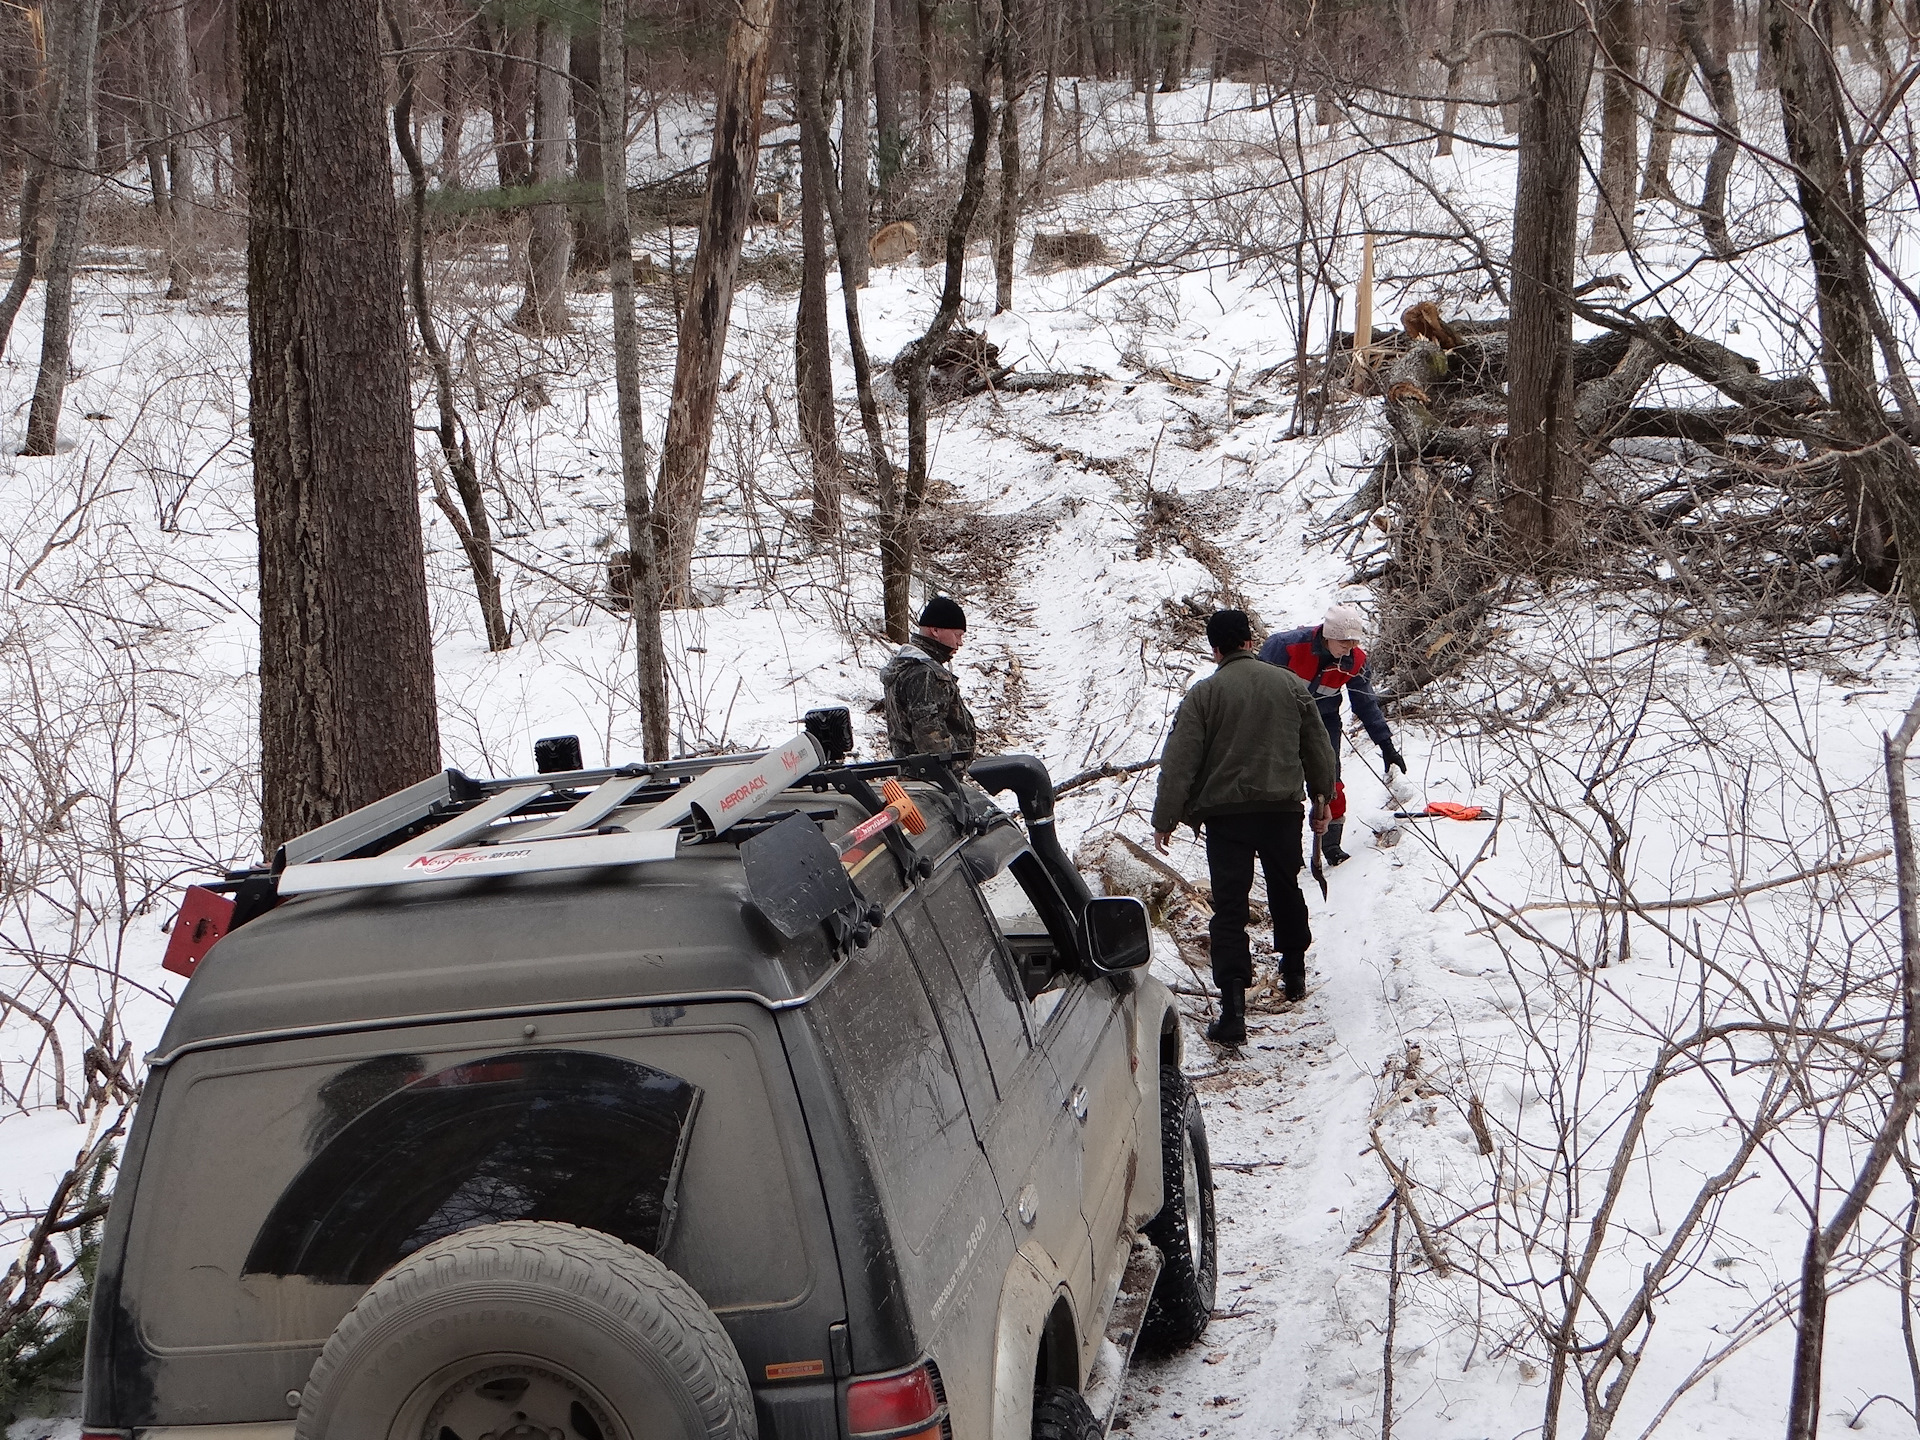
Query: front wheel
[1183, 1296]
[528, 1329]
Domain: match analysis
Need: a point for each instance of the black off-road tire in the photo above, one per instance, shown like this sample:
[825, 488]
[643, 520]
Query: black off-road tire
[583, 1312]
[1183, 1296]
[1062, 1414]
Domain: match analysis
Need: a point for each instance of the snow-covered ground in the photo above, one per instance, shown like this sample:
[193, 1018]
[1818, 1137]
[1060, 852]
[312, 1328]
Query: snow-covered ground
[1631, 764]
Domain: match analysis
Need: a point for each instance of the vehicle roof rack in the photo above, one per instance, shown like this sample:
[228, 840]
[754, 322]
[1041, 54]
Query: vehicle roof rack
[452, 827]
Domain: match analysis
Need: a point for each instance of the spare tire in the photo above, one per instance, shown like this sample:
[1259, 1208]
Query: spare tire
[528, 1329]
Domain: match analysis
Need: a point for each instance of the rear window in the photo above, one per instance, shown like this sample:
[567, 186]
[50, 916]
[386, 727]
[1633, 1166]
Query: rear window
[280, 1180]
[589, 1139]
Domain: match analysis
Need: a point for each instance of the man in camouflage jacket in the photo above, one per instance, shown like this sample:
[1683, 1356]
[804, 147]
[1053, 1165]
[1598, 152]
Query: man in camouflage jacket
[925, 714]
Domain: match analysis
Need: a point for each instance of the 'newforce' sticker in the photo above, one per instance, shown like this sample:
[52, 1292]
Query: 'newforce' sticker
[571, 853]
[436, 860]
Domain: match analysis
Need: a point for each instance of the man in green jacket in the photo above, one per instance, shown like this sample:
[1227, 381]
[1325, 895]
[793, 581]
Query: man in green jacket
[1247, 744]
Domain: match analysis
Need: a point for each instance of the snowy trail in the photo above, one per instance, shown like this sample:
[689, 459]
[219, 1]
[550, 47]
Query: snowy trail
[1288, 1116]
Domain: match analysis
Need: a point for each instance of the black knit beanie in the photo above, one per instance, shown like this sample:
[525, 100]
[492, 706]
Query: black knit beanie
[943, 613]
[1229, 630]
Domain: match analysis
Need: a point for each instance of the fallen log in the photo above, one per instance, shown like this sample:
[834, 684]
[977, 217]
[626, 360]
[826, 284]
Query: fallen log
[1006, 382]
[1716, 425]
[1415, 386]
[1602, 402]
[1734, 375]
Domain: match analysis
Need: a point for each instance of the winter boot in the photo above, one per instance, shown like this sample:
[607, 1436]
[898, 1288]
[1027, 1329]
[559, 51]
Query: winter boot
[1231, 1028]
[1293, 975]
[1330, 845]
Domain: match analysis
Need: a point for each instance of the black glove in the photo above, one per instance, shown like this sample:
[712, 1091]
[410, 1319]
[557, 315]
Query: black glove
[1393, 757]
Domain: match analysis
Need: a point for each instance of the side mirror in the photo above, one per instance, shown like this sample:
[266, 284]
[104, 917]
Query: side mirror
[1118, 936]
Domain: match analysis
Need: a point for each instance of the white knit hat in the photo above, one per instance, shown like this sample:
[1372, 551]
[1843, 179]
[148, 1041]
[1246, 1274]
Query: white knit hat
[1345, 622]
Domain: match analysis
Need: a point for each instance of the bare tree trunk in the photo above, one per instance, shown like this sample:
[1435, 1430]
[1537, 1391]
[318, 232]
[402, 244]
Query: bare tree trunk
[703, 325]
[924, 11]
[856, 147]
[233, 101]
[73, 155]
[1712, 60]
[1877, 15]
[1619, 129]
[453, 116]
[507, 103]
[31, 191]
[643, 566]
[1007, 221]
[1177, 38]
[1147, 18]
[812, 348]
[153, 126]
[891, 139]
[1878, 471]
[469, 518]
[347, 710]
[1134, 21]
[550, 237]
[811, 65]
[1824, 1242]
[1546, 219]
[1458, 33]
[589, 222]
[176, 65]
[900, 510]
[1043, 149]
[1510, 63]
[1658, 185]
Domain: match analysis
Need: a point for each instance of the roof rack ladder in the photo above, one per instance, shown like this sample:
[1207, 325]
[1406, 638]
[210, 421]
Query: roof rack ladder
[589, 810]
[360, 828]
[463, 828]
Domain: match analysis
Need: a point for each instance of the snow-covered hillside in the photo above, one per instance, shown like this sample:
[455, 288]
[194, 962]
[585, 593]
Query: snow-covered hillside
[1487, 999]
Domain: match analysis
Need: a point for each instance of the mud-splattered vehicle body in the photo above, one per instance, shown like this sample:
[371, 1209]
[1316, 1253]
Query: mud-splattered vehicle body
[750, 1112]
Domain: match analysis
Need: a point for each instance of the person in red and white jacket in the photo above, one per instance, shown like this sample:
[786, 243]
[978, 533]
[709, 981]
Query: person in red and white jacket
[1329, 658]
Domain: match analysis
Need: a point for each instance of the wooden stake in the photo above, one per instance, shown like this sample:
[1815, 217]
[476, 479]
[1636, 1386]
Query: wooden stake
[1363, 307]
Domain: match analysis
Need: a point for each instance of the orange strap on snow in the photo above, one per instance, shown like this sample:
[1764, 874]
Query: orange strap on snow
[1448, 810]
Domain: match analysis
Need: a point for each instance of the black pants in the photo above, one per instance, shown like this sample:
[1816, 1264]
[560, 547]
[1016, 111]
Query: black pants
[1233, 842]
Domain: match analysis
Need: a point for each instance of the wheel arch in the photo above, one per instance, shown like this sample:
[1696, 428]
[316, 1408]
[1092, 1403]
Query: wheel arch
[1036, 1335]
[1058, 1361]
[1170, 1042]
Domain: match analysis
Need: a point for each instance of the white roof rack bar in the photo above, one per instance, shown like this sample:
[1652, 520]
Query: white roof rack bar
[463, 828]
[577, 852]
[369, 822]
[590, 810]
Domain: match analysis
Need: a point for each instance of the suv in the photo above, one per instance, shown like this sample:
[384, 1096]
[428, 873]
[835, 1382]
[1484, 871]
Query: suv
[708, 1099]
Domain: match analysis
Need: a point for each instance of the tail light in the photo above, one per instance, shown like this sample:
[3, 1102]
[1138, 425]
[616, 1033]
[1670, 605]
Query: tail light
[906, 1406]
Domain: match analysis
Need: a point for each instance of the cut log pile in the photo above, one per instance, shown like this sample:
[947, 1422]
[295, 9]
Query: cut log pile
[1436, 489]
[1445, 385]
